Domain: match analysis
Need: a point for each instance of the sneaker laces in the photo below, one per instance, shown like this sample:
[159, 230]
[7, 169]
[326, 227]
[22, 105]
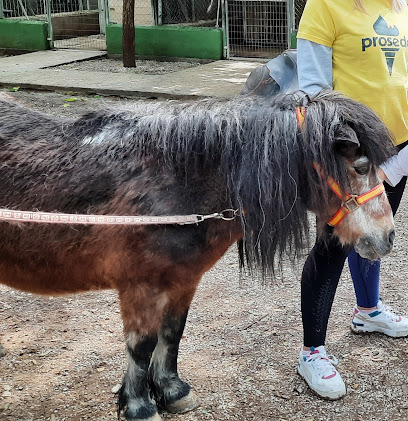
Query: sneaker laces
[322, 362]
[384, 309]
[387, 311]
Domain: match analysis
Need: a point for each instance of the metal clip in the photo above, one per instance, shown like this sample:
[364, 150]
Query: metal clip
[200, 218]
[351, 204]
[228, 214]
[225, 215]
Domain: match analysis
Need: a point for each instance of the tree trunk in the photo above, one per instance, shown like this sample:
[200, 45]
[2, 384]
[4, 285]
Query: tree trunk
[128, 37]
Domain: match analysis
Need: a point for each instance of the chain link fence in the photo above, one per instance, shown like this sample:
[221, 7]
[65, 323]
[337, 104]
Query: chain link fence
[143, 12]
[38, 8]
[23, 8]
[169, 12]
[147, 12]
[299, 6]
[258, 28]
[194, 12]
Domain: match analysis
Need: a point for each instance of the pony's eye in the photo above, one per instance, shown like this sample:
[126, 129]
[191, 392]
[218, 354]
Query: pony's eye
[362, 170]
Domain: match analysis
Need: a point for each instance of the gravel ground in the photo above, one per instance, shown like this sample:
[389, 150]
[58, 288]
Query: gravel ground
[149, 67]
[65, 356]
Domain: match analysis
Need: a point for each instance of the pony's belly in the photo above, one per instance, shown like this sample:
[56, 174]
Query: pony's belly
[49, 281]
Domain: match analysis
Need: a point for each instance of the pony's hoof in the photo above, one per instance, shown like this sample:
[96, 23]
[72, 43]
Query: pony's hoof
[188, 403]
[2, 351]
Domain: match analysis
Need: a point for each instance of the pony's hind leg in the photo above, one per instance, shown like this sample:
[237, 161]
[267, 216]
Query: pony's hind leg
[171, 393]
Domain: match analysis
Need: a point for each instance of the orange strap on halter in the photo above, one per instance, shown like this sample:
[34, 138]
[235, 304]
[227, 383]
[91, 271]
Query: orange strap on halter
[350, 202]
[300, 116]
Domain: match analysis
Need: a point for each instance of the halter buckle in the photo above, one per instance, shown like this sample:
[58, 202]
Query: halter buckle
[352, 203]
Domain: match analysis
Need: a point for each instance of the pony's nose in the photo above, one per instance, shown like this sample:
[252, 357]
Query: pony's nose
[391, 236]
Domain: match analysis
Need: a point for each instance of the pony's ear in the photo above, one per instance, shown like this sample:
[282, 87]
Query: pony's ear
[346, 135]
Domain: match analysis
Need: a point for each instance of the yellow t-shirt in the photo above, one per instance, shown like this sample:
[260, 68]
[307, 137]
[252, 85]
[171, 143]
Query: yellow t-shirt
[370, 54]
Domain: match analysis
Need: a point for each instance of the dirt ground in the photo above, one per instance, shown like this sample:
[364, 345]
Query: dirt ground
[66, 356]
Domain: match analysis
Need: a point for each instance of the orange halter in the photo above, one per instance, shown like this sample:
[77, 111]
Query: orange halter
[350, 202]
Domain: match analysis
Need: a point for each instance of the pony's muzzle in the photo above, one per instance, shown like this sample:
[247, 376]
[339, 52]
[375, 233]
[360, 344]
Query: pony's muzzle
[373, 248]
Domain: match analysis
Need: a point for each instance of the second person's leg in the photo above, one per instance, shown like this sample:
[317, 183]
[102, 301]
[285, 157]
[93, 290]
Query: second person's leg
[370, 315]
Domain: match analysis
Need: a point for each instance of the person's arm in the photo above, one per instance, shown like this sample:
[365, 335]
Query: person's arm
[315, 70]
[395, 168]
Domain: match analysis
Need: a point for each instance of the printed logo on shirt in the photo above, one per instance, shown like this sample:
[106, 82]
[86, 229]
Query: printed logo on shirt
[388, 40]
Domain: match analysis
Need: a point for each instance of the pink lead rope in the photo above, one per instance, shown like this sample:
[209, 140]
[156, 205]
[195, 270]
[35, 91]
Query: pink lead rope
[67, 218]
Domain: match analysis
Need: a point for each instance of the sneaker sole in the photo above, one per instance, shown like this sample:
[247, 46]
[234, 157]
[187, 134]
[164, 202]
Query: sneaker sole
[331, 396]
[362, 330]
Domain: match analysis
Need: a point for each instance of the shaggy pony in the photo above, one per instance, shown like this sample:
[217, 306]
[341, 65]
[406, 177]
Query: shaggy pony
[251, 155]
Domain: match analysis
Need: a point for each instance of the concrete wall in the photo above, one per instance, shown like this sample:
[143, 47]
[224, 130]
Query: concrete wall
[23, 35]
[169, 41]
[143, 12]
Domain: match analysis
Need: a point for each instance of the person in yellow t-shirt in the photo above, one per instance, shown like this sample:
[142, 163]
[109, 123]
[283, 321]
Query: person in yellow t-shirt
[360, 48]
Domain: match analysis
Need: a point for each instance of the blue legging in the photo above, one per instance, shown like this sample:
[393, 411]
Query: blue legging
[366, 279]
[366, 273]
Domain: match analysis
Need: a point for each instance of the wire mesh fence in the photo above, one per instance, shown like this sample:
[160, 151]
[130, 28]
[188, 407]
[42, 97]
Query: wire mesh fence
[23, 8]
[37, 8]
[143, 12]
[253, 28]
[169, 12]
[193, 12]
[299, 6]
[258, 29]
[72, 23]
[78, 24]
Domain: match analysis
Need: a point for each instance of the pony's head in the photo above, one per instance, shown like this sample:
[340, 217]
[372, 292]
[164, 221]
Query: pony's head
[354, 142]
[277, 181]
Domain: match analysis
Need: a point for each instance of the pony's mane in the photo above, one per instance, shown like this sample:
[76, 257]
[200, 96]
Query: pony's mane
[255, 143]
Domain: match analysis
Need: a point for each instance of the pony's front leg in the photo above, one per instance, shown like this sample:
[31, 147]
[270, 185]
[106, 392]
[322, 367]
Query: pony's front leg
[134, 395]
[171, 393]
[142, 311]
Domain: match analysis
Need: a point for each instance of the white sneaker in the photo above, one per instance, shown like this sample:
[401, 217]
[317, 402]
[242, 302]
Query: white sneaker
[319, 373]
[382, 320]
